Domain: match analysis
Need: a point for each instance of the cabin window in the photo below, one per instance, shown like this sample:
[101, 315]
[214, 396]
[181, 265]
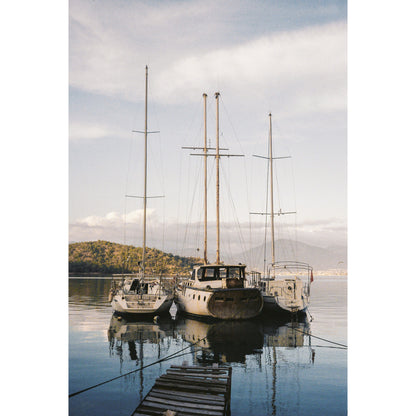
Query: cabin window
[199, 297]
[134, 286]
[204, 298]
[193, 275]
[222, 272]
[234, 272]
[193, 297]
[208, 274]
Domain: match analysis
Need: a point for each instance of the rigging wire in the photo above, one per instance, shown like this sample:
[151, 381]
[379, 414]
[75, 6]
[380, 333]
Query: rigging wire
[188, 222]
[181, 167]
[160, 169]
[240, 234]
[126, 187]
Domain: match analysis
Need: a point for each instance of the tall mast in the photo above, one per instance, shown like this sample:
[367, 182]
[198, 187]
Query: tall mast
[145, 178]
[205, 180]
[272, 214]
[271, 184]
[217, 158]
[217, 155]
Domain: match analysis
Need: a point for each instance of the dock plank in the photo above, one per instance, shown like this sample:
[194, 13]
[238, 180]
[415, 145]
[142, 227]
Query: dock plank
[178, 408]
[194, 380]
[180, 403]
[197, 375]
[185, 399]
[193, 395]
[189, 390]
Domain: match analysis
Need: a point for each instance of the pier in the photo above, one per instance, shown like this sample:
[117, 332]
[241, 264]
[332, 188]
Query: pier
[189, 390]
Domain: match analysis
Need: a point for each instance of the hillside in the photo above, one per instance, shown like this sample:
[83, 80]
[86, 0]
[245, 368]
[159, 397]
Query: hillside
[111, 258]
[319, 258]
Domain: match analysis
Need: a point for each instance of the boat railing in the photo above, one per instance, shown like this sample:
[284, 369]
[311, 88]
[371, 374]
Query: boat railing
[290, 268]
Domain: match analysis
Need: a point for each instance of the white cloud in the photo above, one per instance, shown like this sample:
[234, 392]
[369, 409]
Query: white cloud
[311, 62]
[170, 235]
[305, 68]
[80, 131]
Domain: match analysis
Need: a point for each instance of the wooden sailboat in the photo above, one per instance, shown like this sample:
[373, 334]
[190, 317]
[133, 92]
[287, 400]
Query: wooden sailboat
[286, 286]
[142, 294]
[217, 290]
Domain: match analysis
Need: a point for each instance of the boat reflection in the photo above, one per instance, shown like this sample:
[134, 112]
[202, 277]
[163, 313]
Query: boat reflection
[233, 341]
[211, 341]
[150, 330]
[138, 332]
[220, 341]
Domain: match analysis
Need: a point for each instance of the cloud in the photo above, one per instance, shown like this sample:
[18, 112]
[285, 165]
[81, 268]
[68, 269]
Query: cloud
[304, 69]
[82, 130]
[311, 62]
[184, 239]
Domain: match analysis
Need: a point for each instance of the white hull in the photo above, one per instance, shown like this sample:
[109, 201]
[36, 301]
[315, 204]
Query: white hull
[142, 305]
[240, 303]
[285, 295]
[275, 305]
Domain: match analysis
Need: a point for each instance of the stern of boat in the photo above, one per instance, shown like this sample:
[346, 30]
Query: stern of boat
[242, 303]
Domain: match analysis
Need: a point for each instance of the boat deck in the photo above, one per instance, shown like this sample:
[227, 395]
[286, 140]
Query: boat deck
[189, 390]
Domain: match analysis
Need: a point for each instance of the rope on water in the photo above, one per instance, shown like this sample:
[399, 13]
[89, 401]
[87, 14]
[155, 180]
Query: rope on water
[322, 339]
[168, 357]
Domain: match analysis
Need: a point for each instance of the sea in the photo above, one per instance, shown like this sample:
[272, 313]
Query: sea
[279, 367]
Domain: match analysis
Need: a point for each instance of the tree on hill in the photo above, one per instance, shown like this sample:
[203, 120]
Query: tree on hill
[112, 258]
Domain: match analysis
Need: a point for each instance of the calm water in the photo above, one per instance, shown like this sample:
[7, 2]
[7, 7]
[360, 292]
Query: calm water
[277, 369]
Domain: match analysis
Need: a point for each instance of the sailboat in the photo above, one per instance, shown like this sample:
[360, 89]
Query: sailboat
[217, 290]
[286, 286]
[141, 294]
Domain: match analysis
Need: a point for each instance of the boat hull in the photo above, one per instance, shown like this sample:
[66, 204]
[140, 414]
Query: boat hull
[285, 295]
[159, 307]
[272, 305]
[226, 304]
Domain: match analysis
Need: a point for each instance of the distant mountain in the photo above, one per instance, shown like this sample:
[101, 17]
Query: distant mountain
[319, 258]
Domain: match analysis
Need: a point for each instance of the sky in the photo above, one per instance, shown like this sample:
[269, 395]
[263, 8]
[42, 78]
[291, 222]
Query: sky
[288, 58]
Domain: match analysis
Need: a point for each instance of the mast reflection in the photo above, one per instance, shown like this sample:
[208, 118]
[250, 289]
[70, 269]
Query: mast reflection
[233, 341]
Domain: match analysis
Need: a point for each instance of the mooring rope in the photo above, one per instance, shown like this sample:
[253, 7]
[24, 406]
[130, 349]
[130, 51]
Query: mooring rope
[322, 339]
[168, 357]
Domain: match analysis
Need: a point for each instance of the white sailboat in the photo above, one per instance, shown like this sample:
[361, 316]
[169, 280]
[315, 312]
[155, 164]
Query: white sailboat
[286, 286]
[217, 290]
[141, 294]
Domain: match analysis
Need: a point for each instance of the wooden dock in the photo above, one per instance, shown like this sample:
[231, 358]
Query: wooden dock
[189, 390]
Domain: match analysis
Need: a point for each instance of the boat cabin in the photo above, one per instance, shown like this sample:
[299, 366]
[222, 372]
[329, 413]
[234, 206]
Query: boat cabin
[137, 286]
[233, 275]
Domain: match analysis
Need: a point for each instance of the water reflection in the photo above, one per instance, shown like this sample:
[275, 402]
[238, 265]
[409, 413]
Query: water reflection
[223, 341]
[275, 370]
[210, 342]
[131, 332]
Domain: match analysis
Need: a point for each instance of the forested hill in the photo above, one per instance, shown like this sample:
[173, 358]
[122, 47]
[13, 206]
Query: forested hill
[107, 258]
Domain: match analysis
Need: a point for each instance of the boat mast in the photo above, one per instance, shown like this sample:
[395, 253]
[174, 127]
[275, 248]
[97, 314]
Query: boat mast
[205, 181]
[272, 214]
[217, 158]
[217, 155]
[145, 179]
[271, 185]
